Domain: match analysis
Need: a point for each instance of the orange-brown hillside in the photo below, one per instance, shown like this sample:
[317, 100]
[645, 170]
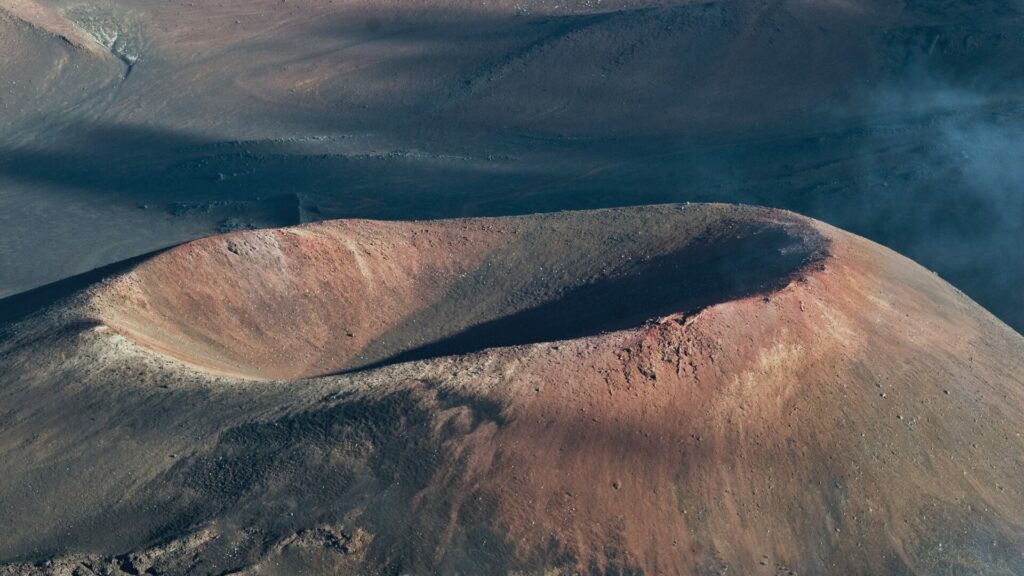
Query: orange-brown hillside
[696, 389]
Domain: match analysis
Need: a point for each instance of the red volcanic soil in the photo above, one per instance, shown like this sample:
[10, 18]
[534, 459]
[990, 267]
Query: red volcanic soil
[698, 389]
[323, 298]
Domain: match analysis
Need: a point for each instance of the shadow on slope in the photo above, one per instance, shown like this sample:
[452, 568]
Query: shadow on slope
[705, 272]
[24, 304]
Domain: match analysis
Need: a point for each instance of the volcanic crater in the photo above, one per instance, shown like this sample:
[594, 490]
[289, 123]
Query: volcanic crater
[351, 295]
[675, 389]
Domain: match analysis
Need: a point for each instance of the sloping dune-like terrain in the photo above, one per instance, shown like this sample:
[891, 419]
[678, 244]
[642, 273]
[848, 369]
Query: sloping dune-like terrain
[676, 389]
[128, 126]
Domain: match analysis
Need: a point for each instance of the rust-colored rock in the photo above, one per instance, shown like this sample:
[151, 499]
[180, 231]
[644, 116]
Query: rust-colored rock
[695, 389]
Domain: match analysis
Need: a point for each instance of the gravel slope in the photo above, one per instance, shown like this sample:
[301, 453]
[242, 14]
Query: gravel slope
[845, 411]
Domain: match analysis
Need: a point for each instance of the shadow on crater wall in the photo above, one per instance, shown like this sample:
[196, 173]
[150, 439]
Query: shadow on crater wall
[705, 272]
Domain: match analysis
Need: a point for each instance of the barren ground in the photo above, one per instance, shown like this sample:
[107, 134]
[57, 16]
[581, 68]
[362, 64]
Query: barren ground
[834, 409]
[316, 286]
[127, 127]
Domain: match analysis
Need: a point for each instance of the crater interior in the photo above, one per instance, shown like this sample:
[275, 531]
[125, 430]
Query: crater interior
[349, 295]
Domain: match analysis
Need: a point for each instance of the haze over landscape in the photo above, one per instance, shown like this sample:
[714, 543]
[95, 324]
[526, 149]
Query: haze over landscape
[452, 287]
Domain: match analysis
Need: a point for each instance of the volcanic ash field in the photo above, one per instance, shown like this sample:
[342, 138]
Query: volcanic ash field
[511, 287]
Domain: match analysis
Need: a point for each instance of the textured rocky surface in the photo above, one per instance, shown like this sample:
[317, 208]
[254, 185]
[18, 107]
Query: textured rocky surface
[128, 126]
[695, 389]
